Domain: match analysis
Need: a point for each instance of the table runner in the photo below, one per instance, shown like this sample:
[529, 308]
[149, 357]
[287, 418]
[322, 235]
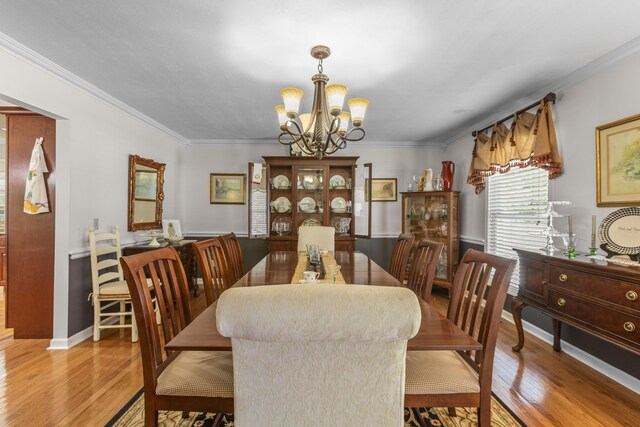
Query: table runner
[327, 260]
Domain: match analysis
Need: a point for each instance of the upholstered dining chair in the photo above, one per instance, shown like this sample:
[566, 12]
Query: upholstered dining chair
[109, 289]
[463, 379]
[231, 246]
[423, 268]
[322, 355]
[217, 272]
[400, 256]
[175, 381]
[316, 235]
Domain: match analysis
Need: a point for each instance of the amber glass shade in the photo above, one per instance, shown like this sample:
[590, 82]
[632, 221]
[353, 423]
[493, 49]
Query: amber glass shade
[282, 115]
[335, 98]
[344, 121]
[357, 106]
[305, 119]
[291, 98]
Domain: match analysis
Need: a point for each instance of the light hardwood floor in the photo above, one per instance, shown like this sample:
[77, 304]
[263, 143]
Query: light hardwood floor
[88, 384]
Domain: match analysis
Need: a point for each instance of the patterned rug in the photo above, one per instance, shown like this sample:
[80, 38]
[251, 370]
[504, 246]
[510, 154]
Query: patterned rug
[132, 415]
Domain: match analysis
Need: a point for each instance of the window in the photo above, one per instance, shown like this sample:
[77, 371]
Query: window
[517, 201]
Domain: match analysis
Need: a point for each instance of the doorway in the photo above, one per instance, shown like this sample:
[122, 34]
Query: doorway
[30, 239]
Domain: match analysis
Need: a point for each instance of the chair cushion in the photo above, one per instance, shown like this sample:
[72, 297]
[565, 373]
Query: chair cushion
[439, 372]
[118, 287]
[198, 373]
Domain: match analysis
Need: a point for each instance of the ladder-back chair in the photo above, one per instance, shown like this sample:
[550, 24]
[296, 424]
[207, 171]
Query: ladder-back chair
[217, 272]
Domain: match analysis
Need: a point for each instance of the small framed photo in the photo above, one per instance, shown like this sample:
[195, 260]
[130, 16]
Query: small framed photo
[382, 189]
[228, 188]
[618, 163]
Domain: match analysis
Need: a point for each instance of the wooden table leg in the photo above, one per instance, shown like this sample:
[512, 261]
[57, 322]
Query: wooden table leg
[557, 329]
[516, 311]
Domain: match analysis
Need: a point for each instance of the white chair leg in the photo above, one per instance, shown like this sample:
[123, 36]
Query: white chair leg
[123, 308]
[96, 320]
[134, 327]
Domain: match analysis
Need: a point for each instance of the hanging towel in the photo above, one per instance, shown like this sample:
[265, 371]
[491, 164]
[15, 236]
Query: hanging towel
[35, 192]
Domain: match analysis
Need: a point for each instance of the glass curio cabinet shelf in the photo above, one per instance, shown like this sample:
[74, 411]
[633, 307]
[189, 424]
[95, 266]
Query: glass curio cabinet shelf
[435, 215]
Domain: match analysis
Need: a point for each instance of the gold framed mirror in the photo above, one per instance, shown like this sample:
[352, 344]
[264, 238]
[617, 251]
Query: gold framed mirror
[146, 193]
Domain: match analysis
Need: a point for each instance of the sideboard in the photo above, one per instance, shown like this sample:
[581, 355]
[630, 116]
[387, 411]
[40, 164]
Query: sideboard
[592, 295]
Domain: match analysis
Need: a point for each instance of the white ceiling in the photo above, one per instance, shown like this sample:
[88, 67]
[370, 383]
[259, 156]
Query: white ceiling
[212, 70]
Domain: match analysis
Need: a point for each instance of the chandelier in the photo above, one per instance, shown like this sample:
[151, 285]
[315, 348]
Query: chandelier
[325, 129]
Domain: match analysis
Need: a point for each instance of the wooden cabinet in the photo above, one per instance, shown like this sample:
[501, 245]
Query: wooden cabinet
[3, 260]
[588, 294]
[305, 191]
[435, 215]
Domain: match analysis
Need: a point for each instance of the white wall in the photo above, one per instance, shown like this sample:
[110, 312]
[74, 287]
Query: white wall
[93, 141]
[608, 96]
[202, 217]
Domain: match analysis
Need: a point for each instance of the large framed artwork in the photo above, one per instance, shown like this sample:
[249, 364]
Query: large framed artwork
[228, 188]
[618, 163]
[382, 189]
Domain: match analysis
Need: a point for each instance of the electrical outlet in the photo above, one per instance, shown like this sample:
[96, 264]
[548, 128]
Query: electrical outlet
[96, 223]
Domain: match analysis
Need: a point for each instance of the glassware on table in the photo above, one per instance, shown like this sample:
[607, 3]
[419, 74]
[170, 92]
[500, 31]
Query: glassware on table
[314, 254]
[334, 270]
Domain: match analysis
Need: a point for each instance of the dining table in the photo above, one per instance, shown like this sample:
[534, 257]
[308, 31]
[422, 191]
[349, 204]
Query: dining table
[436, 331]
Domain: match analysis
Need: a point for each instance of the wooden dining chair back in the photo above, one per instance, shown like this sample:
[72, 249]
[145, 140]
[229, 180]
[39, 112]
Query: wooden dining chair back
[217, 272]
[324, 237]
[178, 381]
[463, 379]
[400, 256]
[423, 268]
[109, 294]
[231, 246]
[297, 363]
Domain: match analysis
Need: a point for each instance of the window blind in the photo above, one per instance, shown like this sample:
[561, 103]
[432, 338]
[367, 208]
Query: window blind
[516, 206]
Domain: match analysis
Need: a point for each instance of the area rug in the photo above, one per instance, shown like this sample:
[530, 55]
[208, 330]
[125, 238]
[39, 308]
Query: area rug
[132, 415]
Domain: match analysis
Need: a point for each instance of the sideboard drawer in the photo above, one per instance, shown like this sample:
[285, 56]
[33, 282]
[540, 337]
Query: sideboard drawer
[607, 289]
[611, 322]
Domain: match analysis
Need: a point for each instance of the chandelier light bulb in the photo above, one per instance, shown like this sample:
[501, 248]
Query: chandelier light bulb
[291, 98]
[357, 106]
[345, 116]
[335, 98]
[282, 116]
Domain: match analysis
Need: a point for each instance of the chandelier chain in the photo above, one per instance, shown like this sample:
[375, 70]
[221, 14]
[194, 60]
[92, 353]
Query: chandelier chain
[320, 66]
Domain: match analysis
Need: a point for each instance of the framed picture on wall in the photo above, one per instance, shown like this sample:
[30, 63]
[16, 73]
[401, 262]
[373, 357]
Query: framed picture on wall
[227, 188]
[382, 189]
[618, 163]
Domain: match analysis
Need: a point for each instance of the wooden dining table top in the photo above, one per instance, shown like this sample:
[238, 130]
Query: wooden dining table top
[436, 331]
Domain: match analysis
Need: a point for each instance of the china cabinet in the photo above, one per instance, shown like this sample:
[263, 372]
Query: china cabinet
[435, 215]
[292, 192]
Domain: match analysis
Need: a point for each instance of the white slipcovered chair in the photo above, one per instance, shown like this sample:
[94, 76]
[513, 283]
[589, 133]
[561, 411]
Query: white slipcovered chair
[322, 236]
[316, 355]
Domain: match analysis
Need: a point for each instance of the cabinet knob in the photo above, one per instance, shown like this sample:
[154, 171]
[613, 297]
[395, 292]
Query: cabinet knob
[629, 326]
[544, 282]
[632, 295]
[563, 277]
[562, 302]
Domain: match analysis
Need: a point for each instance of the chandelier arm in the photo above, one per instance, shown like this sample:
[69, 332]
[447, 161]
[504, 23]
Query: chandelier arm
[347, 137]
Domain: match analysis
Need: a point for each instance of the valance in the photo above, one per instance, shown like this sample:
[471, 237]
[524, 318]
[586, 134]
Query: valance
[530, 141]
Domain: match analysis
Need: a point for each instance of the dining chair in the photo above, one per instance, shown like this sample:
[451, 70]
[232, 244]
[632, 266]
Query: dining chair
[400, 256]
[173, 380]
[217, 272]
[330, 355]
[110, 295]
[316, 235]
[463, 378]
[423, 268]
[231, 246]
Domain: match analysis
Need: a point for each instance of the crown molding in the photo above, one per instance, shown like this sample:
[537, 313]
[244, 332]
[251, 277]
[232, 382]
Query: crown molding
[378, 144]
[31, 57]
[590, 69]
